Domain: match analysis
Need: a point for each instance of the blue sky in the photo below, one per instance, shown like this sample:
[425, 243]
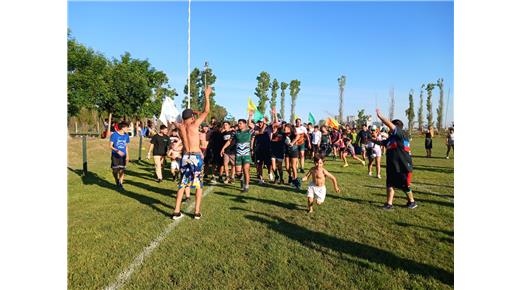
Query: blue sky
[377, 45]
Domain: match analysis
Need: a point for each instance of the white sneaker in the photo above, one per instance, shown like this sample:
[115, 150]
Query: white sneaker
[271, 176]
[447, 157]
[177, 216]
[379, 176]
[363, 162]
[370, 174]
[261, 182]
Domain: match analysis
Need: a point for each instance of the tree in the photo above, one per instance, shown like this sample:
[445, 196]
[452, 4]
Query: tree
[195, 90]
[283, 87]
[440, 109]
[410, 113]
[341, 81]
[207, 78]
[392, 104]
[361, 118]
[294, 89]
[219, 112]
[420, 116]
[429, 109]
[274, 88]
[261, 90]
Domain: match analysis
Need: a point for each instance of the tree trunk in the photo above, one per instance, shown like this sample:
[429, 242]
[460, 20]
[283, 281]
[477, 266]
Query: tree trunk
[76, 126]
[109, 125]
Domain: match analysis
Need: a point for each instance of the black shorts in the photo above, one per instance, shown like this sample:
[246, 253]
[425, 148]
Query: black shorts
[428, 144]
[217, 160]
[263, 156]
[401, 180]
[315, 148]
[291, 153]
[208, 156]
[118, 162]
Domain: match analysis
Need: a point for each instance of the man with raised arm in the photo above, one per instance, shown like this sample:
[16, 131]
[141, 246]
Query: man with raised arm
[398, 162]
[192, 158]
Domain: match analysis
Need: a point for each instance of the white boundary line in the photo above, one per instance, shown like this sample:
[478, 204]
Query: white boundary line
[139, 259]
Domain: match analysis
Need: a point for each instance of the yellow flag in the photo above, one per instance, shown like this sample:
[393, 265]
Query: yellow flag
[250, 105]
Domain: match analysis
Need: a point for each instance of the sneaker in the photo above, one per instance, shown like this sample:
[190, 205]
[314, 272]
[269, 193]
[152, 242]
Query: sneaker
[388, 206]
[370, 174]
[447, 157]
[363, 162]
[120, 185]
[301, 170]
[379, 176]
[231, 180]
[177, 215]
[276, 179]
[261, 182]
[345, 165]
[411, 205]
[220, 179]
[271, 177]
[281, 181]
[197, 216]
[290, 179]
[213, 181]
[159, 180]
[245, 189]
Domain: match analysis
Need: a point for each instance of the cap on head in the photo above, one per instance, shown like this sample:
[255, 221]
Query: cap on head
[373, 128]
[186, 114]
[204, 125]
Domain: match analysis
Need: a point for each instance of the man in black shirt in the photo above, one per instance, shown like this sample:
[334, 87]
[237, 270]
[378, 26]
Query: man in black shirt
[159, 145]
[362, 140]
[229, 152]
[215, 144]
[398, 162]
[262, 149]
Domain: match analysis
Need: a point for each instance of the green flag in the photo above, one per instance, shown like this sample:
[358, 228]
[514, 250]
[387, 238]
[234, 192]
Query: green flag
[257, 116]
[311, 119]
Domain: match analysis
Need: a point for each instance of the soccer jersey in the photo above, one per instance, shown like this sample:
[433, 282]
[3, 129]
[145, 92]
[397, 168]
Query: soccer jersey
[398, 156]
[243, 142]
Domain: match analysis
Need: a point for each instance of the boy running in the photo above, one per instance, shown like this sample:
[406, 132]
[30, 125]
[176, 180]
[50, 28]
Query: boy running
[317, 189]
[398, 162]
[119, 144]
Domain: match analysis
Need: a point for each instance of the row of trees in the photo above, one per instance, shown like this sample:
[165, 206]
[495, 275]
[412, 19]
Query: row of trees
[262, 89]
[126, 87]
[410, 112]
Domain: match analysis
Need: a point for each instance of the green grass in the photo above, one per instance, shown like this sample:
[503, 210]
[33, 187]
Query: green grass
[264, 238]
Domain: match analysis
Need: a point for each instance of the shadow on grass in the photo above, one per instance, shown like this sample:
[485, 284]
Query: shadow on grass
[446, 232]
[142, 175]
[417, 192]
[433, 184]
[244, 198]
[439, 169]
[93, 179]
[356, 200]
[424, 157]
[317, 240]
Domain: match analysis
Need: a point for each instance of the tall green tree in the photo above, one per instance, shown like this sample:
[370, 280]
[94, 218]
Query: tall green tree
[207, 78]
[195, 91]
[410, 113]
[88, 74]
[391, 112]
[294, 89]
[341, 82]
[261, 90]
[361, 118]
[429, 107]
[274, 89]
[420, 115]
[283, 87]
[440, 109]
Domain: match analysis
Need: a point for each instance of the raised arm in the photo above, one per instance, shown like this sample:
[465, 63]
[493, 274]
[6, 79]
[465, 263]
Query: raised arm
[334, 181]
[250, 123]
[387, 122]
[203, 115]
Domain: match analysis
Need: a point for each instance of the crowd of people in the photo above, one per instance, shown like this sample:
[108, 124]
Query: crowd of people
[225, 153]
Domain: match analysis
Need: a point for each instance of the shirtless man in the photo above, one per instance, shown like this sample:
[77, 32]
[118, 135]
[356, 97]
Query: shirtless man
[192, 158]
[316, 187]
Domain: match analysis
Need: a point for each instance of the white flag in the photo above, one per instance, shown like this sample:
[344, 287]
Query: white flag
[169, 112]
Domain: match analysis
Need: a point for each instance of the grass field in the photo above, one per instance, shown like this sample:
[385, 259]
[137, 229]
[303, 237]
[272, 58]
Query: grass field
[263, 239]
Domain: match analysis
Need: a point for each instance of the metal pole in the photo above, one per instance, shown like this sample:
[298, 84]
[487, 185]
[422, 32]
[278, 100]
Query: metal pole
[447, 107]
[84, 141]
[140, 145]
[189, 78]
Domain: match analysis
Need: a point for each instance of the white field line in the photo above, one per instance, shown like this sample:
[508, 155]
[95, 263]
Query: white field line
[139, 259]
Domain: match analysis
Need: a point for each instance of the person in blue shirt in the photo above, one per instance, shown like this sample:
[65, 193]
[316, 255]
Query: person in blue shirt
[119, 145]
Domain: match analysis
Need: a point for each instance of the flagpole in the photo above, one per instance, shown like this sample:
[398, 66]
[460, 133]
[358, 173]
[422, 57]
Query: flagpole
[189, 25]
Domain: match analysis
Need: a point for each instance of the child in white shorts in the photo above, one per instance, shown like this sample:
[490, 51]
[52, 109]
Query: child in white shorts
[317, 190]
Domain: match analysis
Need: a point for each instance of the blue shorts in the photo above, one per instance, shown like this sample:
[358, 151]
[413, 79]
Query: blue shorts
[191, 168]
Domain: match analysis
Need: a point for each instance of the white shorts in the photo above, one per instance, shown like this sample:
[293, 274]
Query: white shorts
[176, 165]
[317, 192]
